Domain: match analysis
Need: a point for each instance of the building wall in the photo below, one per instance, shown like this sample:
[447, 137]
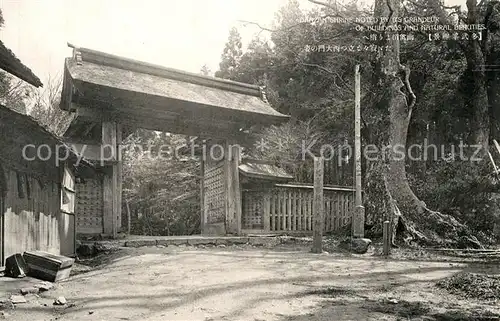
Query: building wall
[32, 217]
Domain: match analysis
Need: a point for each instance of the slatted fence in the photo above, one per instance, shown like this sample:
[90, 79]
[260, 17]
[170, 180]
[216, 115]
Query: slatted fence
[289, 207]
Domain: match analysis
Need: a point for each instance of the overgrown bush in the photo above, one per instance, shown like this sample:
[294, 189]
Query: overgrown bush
[466, 190]
[180, 219]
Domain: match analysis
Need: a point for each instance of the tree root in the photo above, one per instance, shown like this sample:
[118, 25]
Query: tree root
[436, 229]
[414, 225]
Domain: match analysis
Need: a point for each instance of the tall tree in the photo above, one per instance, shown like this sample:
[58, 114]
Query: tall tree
[231, 56]
[256, 63]
[396, 101]
[491, 46]
[480, 83]
[477, 91]
[388, 104]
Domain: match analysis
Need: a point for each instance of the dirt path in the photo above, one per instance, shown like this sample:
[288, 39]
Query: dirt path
[245, 284]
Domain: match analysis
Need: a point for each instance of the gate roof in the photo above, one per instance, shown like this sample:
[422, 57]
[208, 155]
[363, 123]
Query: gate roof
[100, 86]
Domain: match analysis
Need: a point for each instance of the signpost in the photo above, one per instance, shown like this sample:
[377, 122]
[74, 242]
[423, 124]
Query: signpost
[358, 220]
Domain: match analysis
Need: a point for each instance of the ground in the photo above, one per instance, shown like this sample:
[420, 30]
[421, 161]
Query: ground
[247, 283]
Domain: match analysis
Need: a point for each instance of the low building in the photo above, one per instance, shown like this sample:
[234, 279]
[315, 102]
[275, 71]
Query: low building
[37, 180]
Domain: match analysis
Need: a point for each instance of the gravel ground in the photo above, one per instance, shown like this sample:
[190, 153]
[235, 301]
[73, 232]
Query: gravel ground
[282, 283]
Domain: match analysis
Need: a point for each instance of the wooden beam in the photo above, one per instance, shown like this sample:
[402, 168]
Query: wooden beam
[357, 134]
[119, 177]
[325, 187]
[248, 160]
[115, 191]
[175, 125]
[358, 217]
[233, 190]
[228, 184]
[318, 206]
[111, 114]
[107, 204]
[104, 110]
[109, 182]
[125, 109]
[235, 162]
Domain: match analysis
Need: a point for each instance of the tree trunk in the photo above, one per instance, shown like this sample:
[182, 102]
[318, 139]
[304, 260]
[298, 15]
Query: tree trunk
[476, 93]
[491, 50]
[402, 205]
[478, 96]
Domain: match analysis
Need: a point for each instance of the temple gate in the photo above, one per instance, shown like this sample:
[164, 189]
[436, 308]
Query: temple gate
[112, 96]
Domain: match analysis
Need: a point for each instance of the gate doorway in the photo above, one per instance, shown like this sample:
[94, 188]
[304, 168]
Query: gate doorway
[113, 96]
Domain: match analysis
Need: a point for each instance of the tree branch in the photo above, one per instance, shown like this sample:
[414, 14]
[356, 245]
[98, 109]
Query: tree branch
[331, 72]
[456, 8]
[324, 4]
[337, 14]
[407, 84]
[245, 22]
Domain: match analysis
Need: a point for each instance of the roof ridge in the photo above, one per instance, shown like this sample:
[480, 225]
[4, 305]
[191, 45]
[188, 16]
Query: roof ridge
[43, 128]
[83, 55]
[12, 65]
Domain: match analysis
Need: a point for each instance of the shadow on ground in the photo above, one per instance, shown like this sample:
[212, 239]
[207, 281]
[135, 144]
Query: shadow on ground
[358, 301]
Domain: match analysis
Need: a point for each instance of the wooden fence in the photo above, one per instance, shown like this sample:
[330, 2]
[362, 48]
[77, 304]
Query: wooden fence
[288, 207]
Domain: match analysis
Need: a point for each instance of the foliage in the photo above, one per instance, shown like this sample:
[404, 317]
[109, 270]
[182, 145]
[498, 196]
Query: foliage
[315, 88]
[161, 190]
[255, 63]
[473, 285]
[467, 191]
[205, 71]
[231, 56]
[285, 145]
[45, 107]
[14, 93]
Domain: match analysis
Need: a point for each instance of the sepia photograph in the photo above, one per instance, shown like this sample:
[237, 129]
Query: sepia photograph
[255, 160]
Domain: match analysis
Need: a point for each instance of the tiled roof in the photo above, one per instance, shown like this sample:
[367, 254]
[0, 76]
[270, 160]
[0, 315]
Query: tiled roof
[265, 171]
